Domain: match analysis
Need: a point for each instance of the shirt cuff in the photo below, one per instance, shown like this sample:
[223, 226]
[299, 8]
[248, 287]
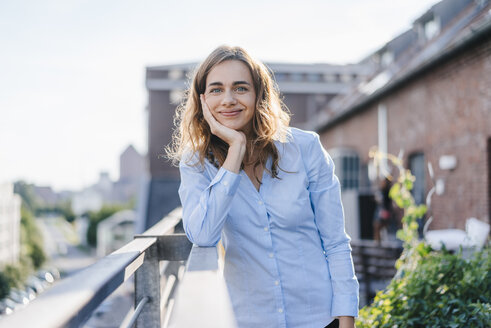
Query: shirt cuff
[344, 305]
[226, 181]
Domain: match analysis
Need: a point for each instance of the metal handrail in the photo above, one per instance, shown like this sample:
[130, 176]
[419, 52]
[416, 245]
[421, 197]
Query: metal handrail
[200, 290]
[137, 312]
[70, 302]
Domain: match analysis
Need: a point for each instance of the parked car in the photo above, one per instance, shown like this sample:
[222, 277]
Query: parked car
[45, 275]
[19, 296]
[31, 294]
[36, 284]
[55, 273]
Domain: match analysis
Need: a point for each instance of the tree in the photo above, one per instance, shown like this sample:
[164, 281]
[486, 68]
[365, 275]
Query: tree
[31, 239]
[26, 192]
[4, 285]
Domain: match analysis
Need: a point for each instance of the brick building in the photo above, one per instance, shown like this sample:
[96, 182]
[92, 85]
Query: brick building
[431, 99]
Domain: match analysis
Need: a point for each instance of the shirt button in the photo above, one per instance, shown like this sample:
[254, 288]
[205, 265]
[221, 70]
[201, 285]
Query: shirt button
[271, 255]
[260, 202]
[276, 282]
[280, 310]
[225, 183]
[266, 229]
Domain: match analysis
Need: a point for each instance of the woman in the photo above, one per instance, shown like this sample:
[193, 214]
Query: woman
[268, 192]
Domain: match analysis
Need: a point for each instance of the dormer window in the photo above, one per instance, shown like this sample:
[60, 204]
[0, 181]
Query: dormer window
[428, 26]
[387, 58]
[431, 28]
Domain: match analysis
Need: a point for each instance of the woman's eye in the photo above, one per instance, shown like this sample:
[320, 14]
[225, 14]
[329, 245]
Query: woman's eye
[241, 89]
[216, 90]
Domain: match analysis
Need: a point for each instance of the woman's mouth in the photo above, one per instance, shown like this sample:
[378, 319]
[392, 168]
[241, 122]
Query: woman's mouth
[231, 113]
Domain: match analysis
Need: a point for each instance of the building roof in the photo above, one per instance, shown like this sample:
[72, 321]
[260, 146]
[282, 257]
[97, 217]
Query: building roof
[470, 25]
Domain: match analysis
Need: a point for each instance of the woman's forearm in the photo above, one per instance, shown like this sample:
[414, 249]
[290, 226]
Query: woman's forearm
[346, 322]
[235, 156]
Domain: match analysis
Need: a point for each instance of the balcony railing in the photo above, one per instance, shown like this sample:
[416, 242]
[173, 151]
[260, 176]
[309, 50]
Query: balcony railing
[167, 293]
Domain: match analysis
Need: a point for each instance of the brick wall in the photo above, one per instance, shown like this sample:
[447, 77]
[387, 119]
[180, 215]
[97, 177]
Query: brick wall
[447, 111]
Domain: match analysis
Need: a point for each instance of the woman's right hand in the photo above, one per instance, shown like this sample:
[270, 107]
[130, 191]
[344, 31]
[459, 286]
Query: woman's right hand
[230, 136]
[235, 139]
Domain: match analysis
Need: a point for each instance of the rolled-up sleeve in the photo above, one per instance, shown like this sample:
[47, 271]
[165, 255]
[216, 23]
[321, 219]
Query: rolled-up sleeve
[325, 193]
[205, 202]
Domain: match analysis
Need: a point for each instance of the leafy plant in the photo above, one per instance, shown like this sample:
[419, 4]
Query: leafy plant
[446, 290]
[430, 289]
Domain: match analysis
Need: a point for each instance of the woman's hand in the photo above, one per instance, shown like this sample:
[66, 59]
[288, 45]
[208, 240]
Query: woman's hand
[230, 136]
[235, 139]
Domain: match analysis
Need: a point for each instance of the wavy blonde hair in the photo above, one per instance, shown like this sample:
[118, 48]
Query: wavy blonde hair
[270, 120]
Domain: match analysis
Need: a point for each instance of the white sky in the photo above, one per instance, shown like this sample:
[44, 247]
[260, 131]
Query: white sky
[72, 93]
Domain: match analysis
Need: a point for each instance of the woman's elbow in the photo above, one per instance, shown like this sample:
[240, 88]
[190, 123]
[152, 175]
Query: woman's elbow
[201, 239]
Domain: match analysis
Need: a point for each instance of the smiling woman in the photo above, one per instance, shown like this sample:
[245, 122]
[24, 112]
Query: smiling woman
[269, 193]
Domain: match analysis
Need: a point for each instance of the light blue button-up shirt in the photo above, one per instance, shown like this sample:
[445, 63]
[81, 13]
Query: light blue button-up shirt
[287, 256]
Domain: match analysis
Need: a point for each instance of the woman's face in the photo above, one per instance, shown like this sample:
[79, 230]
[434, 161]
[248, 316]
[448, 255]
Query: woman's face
[230, 95]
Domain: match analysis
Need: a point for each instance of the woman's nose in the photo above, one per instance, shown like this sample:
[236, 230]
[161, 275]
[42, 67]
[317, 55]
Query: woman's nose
[229, 98]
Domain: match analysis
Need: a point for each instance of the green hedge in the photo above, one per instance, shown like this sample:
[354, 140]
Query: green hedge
[446, 290]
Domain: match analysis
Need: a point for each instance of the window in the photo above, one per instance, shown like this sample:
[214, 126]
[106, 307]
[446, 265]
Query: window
[345, 78]
[296, 77]
[417, 167]
[314, 77]
[331, 78]
[347, 164]
[431, 28]
[281, 76]
[387, 58]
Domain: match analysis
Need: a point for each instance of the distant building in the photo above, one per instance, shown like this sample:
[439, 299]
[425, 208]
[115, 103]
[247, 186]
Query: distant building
[132, 171]
[89, 199]
[430, 97]
[306, 89]
[10, 204]
[115, 231]
[104, 186]
[131, 164]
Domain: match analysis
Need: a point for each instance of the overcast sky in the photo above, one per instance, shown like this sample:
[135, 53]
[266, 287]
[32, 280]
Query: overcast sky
[72, 93]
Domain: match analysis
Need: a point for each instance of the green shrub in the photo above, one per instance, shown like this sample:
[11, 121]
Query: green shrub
[445, 290]
[4, 285]
[31, 239]
[16, 274]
